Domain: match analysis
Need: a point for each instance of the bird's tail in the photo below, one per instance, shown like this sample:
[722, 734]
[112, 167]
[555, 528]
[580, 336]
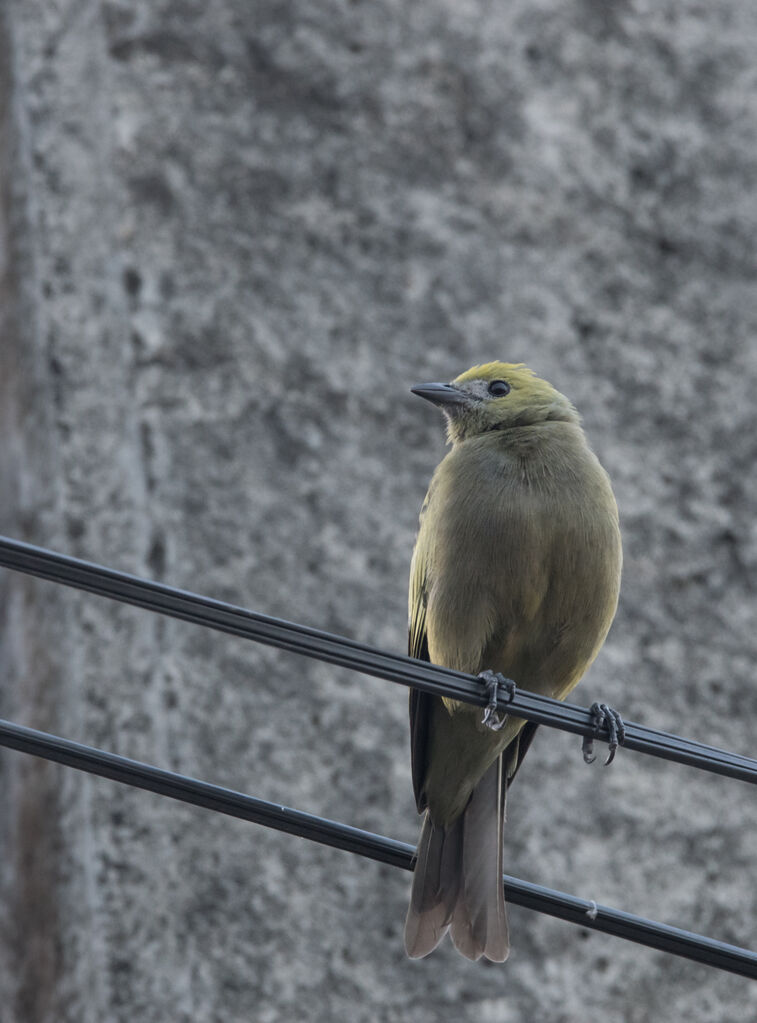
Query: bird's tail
[457, 884]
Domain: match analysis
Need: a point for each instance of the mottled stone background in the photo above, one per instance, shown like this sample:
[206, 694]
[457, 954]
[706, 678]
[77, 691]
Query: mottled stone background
[232, 235]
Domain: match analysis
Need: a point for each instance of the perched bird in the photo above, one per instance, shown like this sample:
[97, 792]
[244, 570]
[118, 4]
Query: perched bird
[516, 570]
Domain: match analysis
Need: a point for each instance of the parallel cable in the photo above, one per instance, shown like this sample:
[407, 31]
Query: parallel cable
[584, 912]
[324, 646]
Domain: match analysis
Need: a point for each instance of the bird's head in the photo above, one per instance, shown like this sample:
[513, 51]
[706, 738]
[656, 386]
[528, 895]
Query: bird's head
[496, 396]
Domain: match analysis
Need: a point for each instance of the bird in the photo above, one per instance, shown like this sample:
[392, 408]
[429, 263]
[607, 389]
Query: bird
[514, 576]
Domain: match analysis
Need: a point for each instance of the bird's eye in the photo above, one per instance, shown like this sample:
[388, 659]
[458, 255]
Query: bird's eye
[499, 388]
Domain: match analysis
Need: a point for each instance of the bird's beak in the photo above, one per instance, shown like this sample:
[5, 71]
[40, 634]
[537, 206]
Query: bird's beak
[444, 395]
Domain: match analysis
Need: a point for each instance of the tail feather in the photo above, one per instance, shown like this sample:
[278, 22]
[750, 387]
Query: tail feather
[457, 883]
[479, 923]
[436, 882]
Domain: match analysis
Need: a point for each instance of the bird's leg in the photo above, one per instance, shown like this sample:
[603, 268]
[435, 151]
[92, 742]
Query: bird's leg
[603, 716]
[493, 680]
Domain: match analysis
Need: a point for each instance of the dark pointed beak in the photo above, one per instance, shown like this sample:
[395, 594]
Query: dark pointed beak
[443, 395]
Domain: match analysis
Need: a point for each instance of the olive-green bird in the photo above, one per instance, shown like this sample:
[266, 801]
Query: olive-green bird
[516, 570]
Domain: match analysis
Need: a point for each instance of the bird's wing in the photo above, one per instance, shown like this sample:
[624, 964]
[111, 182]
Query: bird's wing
[420, 703]
[525, 738]
[419, 714]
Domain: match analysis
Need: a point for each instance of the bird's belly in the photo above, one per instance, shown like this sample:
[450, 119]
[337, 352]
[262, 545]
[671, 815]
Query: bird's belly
[532, 601]
[460, 751]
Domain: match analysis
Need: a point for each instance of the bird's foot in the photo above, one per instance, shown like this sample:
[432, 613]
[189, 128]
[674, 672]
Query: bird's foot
[603, 716]
[492, 718]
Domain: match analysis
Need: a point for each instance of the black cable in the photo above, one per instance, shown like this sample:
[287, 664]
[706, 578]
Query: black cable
[583, 912]
[301, 639]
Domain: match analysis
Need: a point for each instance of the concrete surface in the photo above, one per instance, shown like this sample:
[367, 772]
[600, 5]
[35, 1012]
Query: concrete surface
[232, 236]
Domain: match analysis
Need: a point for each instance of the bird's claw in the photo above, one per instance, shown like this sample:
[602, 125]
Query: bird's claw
[491, 717]
[603, 716]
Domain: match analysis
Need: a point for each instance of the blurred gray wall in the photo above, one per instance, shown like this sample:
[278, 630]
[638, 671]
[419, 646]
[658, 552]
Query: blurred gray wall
[232, 235]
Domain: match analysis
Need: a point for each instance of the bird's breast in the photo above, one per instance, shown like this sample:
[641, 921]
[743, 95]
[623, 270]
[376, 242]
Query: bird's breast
[521, 555]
